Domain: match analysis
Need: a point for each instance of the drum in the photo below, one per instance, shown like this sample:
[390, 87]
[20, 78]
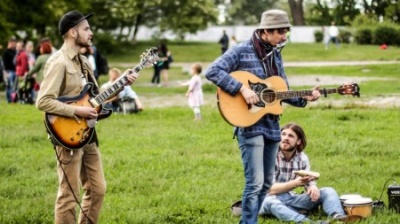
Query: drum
[345, 197]
[359, 206]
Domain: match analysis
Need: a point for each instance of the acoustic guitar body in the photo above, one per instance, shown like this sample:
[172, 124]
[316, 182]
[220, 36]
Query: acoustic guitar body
[237, 112]
[271, 92]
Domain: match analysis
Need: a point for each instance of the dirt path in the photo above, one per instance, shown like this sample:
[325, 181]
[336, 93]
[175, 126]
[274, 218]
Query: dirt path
[323, 80]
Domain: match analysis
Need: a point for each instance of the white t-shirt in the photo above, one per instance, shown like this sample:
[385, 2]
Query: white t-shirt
[333, 31]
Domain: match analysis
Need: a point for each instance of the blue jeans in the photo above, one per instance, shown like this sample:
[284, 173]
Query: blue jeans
[10, 85]
[258, 157]
[285, 206]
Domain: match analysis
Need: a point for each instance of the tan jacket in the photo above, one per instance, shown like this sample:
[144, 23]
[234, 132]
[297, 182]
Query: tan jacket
[63, 77]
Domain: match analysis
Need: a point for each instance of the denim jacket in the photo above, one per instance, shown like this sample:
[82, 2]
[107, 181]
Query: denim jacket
[243, 57]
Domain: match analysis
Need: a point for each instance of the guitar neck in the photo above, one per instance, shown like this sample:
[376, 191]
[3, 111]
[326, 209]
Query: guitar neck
[116, 86]
[300, 93]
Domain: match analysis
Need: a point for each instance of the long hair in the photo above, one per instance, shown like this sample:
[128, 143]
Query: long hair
[300, 134]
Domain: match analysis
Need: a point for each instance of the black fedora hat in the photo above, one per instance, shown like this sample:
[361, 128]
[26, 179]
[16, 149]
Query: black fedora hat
[71, 19]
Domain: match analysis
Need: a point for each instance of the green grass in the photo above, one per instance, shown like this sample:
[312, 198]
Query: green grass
[293, 52]
[382, 71]
[347, 52]
[181, 51]
[161, 167]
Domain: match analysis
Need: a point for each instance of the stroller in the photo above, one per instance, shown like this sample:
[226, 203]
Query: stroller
[24, 94]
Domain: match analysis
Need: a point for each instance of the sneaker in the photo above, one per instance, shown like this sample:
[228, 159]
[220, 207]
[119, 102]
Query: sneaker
[346, 218]
[314, 222]
[319, 222]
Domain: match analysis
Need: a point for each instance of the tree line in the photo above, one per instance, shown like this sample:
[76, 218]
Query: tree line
[40, 18]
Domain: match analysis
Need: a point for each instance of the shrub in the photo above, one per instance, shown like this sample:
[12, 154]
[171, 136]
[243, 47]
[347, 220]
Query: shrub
[385, 34]
[364, 36]
[106, 43]
[319, 36]
[345, 36]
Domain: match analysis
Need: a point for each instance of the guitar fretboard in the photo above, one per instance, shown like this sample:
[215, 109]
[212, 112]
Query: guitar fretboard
[271, 96]
[116, 86]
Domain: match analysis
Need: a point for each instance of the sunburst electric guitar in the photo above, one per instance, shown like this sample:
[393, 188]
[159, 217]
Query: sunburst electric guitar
[75, 132]
[271, 91]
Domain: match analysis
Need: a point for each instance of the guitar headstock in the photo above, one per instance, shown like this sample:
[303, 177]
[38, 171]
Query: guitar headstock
[349, 89]
[149, 57]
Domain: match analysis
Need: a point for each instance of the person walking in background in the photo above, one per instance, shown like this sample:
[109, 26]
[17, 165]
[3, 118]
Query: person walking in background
[224, 42]
[88, 53]
[195, 91]
[66, 73]
[37, 71]
[29, 49]
[9, 68]
[282, 201]
[165, 55]
[333, 33]
[259, 142]
[45, 40]
[156, 74]
[233, 42]
[21, 70]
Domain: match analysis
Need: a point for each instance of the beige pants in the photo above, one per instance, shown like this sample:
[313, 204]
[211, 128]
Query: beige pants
[82, 168]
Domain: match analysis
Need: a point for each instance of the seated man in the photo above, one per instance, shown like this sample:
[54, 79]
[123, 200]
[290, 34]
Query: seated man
[126, 101]
[281, 201]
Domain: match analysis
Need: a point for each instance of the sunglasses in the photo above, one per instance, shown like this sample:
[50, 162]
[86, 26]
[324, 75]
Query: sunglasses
[283, 30]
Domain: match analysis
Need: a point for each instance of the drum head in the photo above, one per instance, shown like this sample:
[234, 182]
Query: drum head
[358, 201]
[349, 196]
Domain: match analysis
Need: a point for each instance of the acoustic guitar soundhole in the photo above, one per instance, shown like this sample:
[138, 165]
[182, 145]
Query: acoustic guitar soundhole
[268, 96]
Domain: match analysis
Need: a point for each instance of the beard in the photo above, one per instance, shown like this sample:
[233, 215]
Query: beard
[287, 147]
[81, 42]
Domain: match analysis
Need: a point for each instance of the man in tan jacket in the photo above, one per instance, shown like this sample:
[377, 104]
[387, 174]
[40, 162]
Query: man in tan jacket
[66, 73]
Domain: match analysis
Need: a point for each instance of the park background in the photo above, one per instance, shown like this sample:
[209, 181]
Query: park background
[160, 166]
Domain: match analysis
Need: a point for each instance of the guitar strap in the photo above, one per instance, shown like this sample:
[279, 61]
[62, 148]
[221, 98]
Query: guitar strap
[86, 74]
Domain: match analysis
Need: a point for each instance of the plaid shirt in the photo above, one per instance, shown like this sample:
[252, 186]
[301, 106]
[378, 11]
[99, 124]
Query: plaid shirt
[284, 168]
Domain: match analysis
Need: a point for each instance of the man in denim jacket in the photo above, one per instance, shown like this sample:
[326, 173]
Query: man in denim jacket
[259, 142]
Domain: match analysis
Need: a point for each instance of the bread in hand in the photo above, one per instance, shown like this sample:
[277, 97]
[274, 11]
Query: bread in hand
[304, 173]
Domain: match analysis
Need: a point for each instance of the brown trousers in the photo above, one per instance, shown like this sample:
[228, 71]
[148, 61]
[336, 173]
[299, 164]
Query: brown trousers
[82, 167]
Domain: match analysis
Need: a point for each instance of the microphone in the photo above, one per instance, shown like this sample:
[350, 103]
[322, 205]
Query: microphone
[281, 44]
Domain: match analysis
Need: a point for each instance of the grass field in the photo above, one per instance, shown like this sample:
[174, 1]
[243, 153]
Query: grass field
[295, 52]
[161, 167]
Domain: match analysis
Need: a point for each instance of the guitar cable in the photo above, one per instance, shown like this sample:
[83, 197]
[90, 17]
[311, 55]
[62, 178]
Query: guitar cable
[383, 189]
[69, 184]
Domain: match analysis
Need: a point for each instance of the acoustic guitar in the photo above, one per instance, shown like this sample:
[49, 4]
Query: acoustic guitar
[75, 132]
[271, 91]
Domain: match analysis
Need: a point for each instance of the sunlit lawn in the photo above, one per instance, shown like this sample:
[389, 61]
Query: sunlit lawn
[161, 167]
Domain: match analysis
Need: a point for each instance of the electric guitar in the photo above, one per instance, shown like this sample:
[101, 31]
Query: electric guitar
[75, 132]
[271, 91]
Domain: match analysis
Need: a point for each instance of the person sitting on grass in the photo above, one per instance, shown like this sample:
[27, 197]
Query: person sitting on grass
[126, 95]
[281, 201]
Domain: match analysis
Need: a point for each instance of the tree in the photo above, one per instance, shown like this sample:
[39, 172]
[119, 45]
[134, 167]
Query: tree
[382, 9]
[5, 25]
[186, 16]
[297, 11]
[245, 12]
[343, 12]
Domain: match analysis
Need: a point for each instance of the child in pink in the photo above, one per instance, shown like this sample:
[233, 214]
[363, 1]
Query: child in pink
[195, 92]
